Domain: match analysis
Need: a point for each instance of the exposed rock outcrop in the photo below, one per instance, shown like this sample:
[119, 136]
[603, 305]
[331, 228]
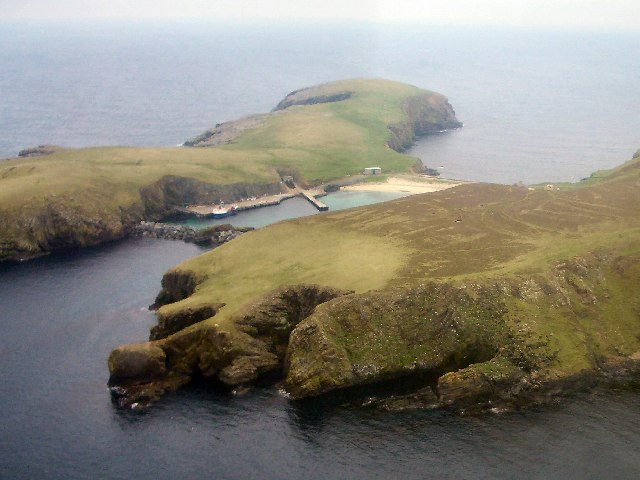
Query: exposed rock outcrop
[227, 132]
[139, 362]
[176, 285]
[273, 319]
[426, 114]
[254, 346]
[215, 236]
[307, 97]
[422, 332]
[39, 151]
[173, 322]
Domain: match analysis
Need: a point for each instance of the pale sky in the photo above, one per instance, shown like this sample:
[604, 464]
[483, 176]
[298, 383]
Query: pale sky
[623, 14]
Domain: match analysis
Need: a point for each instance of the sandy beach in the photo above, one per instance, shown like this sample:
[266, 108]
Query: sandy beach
[414, 184]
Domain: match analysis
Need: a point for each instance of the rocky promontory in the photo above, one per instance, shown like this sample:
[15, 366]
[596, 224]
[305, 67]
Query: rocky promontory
[425, 115]
[236, 358]
[479, 297]
[435, 345]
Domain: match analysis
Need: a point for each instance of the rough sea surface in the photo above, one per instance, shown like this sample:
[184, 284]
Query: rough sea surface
[537, 106]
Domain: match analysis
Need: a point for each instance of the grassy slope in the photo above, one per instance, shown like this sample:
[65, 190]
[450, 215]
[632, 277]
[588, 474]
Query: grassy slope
[473, 233]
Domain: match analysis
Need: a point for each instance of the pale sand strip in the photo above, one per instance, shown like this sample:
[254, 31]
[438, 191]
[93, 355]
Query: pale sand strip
[403, 184]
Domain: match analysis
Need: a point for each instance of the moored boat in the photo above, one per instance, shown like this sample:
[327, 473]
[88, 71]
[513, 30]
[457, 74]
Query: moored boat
[220, 213]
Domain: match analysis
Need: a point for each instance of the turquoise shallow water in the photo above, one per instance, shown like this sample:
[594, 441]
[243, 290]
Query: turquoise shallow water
[295, 208]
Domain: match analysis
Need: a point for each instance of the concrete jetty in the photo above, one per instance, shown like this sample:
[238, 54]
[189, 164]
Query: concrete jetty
[251, 203]
[314, 201]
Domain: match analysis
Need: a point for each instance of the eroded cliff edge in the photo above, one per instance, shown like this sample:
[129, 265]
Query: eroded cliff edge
[433, 345]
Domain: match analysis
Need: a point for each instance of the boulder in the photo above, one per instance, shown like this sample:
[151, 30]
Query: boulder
[139, 363]
[172, 322]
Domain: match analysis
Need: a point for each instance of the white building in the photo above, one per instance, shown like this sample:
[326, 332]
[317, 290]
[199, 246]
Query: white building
[372, 171]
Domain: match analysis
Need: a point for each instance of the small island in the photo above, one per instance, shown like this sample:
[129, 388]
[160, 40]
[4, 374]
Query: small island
[54, 198]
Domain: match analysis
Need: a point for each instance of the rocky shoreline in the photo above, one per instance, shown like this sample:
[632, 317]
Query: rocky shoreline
[216, 235]
[304, 339]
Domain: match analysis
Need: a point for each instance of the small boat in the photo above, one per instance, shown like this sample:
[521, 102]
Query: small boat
[220, 213]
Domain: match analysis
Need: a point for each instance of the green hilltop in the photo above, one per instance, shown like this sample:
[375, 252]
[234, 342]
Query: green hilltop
[75, 197]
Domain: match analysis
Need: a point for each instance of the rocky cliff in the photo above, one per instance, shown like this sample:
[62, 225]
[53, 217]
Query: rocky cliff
[63, 222]
[470, 347]
[234, 357]
[160, 198]
[31, 232]
[425, 115]
[308, 96]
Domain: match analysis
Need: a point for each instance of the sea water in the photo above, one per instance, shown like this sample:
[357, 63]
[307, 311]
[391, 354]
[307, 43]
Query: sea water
[537, 105]
[295, 208]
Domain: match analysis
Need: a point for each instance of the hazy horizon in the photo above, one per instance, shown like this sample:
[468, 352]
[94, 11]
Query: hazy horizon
[574, 14]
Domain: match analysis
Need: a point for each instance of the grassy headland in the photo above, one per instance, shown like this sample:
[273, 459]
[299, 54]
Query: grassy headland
[78, 196]
[538, 286]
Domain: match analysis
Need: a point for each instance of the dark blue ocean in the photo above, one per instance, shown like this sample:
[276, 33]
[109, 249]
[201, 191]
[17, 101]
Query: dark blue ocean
[537, 106]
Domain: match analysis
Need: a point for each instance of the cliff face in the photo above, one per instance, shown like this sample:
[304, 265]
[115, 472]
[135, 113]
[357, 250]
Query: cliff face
[28, 234]
[425, 114]
[160, 198]
[423, 332]
[471, 346]
[64, 223]
[476, 346]
[235, 357]
[308, 96]
[227, 132]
